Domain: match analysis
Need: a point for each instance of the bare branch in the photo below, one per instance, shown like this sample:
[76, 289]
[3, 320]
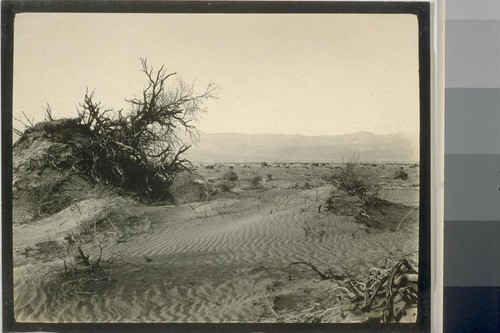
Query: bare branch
[144, 147]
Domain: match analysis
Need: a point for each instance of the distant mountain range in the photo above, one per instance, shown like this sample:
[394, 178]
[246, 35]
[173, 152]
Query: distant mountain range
[287, 148]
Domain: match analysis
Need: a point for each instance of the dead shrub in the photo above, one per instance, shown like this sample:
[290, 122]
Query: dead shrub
[79, 269]
[141, 149]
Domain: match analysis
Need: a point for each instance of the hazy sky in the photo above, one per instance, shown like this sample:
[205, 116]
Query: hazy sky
[318, 74]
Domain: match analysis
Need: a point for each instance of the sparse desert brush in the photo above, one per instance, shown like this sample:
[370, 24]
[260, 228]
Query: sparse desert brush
[351, 179]
[255, 181]
[227, 181]
[186, 188]
[354, 182]
[401, 174]
[269, 177]
[225, 186]
[264, 164]
[83, 268]
[79, 263]
[229, 176]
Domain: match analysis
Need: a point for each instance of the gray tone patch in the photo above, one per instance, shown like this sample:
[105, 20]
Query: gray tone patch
[472, 54]
[473, 10]
[472, 121]
[471, 251]
[472, 185]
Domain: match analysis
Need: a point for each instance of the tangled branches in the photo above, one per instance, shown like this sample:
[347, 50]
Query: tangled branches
[73, 265]
[390, 289]
[142, 149]
[388, 292]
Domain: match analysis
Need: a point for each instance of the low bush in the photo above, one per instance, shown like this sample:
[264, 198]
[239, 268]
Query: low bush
[401, 174]
[255, 181]
[225, 186]
[351, 179]
[85, 268]
[354, 182]
[229, 176]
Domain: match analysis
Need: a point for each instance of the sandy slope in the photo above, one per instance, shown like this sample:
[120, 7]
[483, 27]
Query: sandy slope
[214, 262]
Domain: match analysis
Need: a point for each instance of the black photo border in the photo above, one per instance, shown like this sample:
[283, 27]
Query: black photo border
[421, 9]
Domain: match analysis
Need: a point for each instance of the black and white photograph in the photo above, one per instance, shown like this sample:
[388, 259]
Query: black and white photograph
[219, 167]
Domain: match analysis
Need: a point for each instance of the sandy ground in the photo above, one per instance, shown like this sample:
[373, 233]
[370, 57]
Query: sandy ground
[222, 261]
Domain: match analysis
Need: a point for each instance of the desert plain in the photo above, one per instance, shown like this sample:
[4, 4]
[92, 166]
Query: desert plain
[272, 248]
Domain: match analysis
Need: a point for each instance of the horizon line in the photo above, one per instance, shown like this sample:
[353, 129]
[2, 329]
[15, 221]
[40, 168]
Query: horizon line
[308, 135]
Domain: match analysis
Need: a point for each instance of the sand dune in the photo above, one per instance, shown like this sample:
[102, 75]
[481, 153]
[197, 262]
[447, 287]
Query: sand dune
[212, 269]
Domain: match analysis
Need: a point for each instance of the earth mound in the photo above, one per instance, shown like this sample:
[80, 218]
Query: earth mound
[51, 162]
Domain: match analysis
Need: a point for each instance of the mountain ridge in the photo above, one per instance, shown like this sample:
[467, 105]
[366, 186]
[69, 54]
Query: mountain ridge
[369, 146]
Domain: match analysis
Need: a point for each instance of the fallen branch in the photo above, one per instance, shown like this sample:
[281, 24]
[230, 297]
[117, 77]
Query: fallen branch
[375, 292]
[404, 279]
[328, 275]
[388, 314]
[323, 276]
[271, 308]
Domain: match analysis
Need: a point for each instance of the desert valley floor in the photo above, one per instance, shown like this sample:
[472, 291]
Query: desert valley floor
[223, 260]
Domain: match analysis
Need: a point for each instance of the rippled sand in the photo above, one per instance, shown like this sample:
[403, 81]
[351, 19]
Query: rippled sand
[214, 262]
